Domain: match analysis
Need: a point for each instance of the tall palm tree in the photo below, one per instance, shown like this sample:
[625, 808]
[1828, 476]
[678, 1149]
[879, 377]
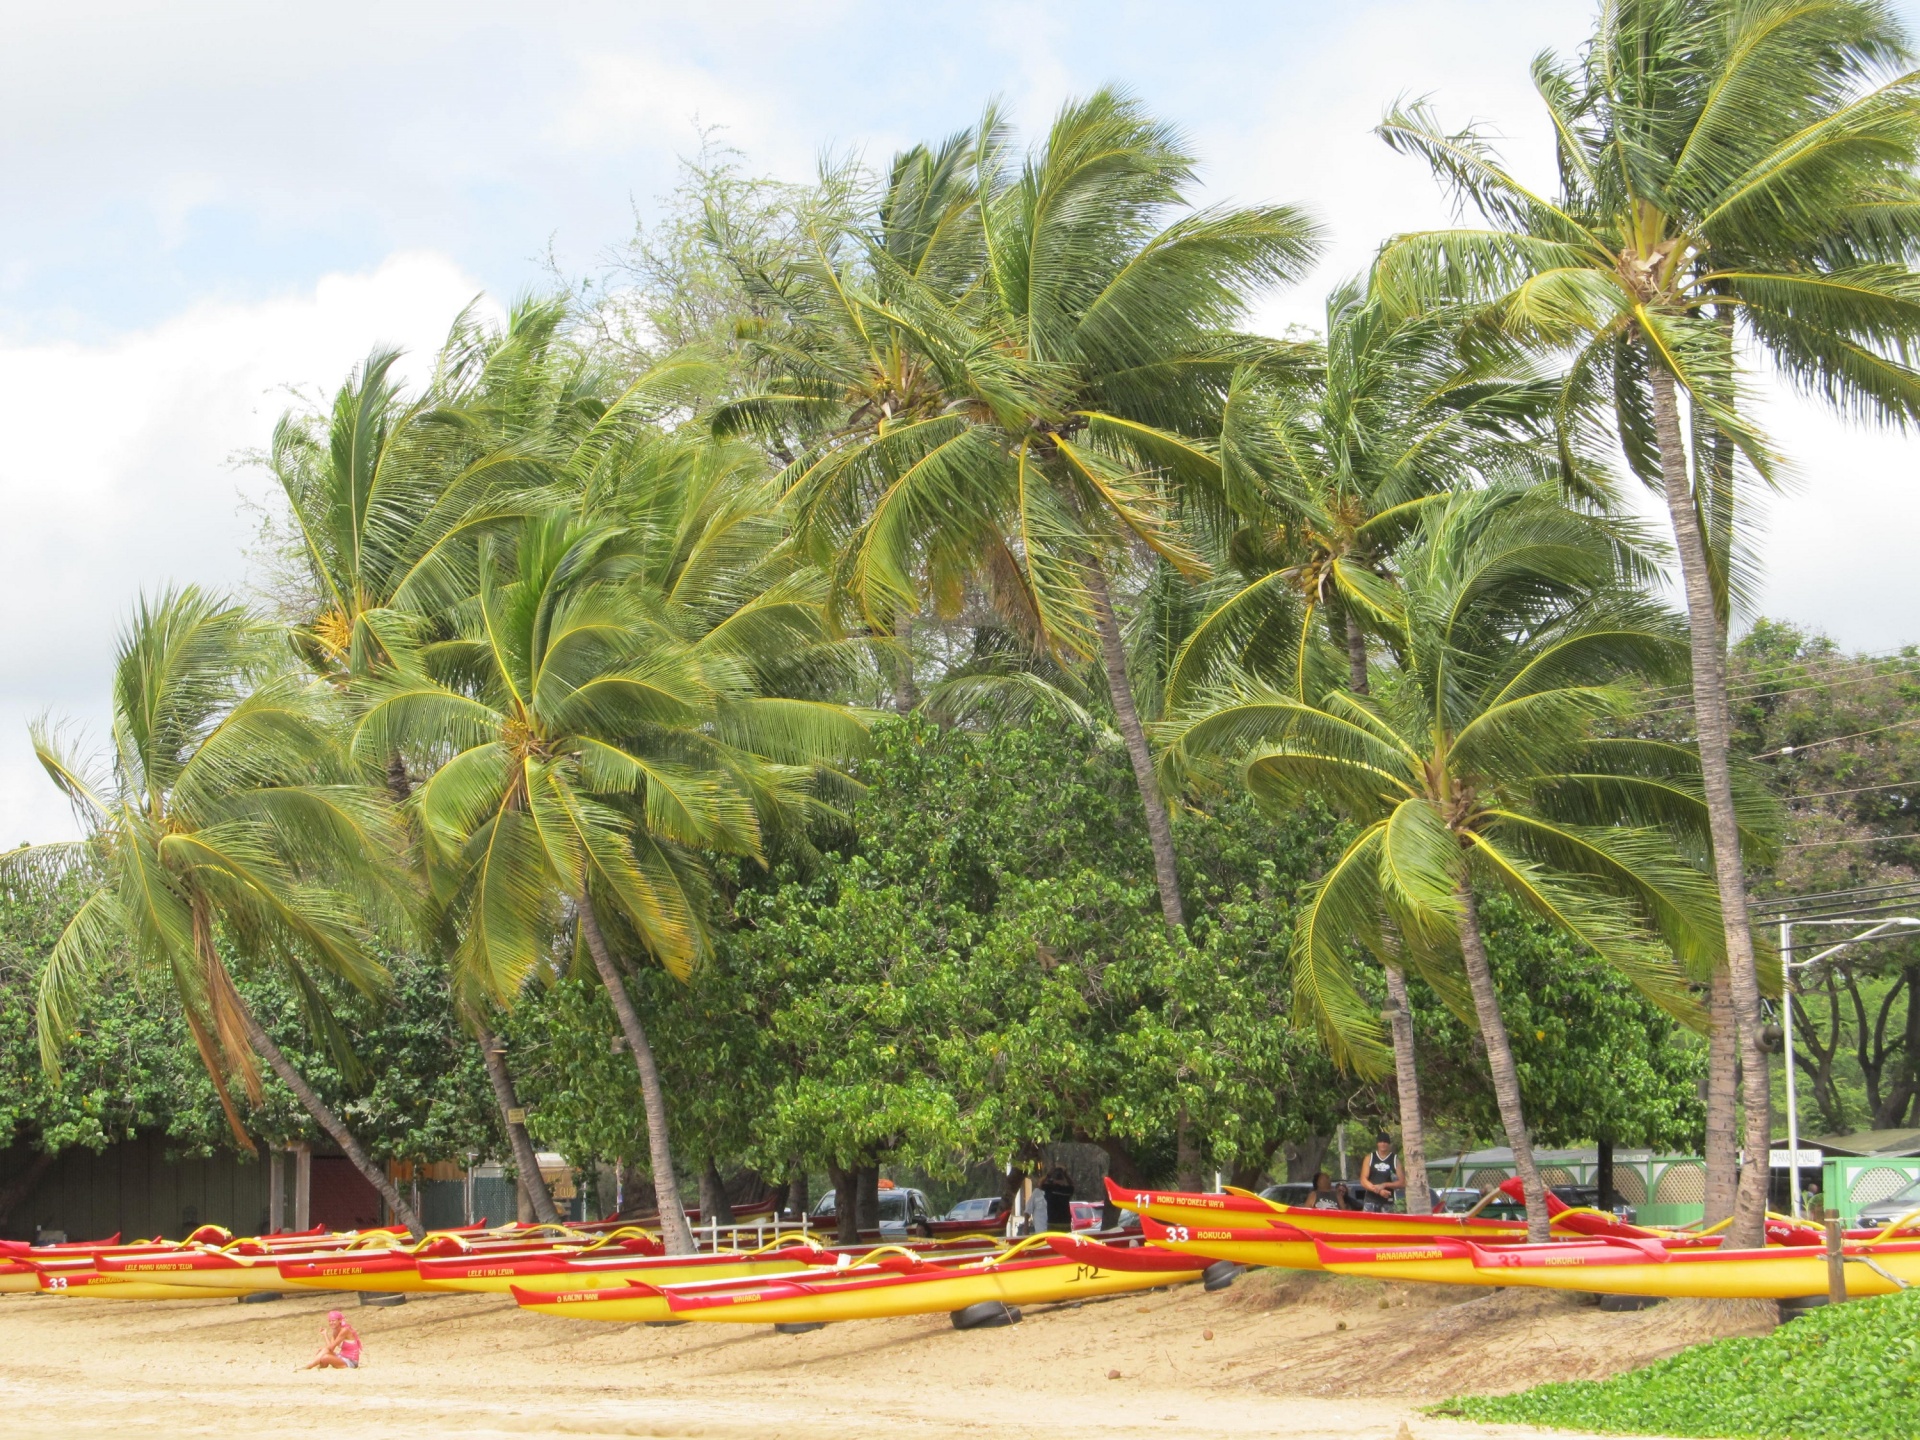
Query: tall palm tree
[1479, 762]
[1329, 473]
[605, 718]
[1078, 386]
[228, 820]
[385, 497]
[1332, 470]
[1735, 177]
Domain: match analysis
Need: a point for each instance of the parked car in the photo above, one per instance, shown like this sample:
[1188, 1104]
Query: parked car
[1087, 1213]
[982, 1209]
[1885, 1212]
[1290, 1192]
[902, 1212]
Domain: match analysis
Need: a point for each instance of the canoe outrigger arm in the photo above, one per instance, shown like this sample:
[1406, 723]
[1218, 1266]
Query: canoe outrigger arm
[1880, 1270]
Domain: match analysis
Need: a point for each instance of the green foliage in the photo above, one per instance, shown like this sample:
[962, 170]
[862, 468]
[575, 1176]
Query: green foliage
[417, 1089]
[417, 1092]
[131, 1066]
[1847, 1372]
[1564, 1011]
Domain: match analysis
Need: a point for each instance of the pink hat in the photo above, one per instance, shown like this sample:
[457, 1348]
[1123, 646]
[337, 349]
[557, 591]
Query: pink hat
[335, 1315]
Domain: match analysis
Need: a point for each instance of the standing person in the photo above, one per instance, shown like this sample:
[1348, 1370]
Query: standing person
[339, 1345]
[1381, 1178]
[1321, 1197]
[1058, 1190]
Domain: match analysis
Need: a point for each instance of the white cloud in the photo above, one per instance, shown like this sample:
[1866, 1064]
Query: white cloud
[121, 473]
[639, 98]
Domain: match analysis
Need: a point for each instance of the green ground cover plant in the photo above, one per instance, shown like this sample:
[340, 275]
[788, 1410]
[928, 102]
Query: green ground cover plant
[1849, 1371]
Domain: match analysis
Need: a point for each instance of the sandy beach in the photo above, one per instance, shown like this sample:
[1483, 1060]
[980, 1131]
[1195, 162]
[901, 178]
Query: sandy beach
[1278, 1355]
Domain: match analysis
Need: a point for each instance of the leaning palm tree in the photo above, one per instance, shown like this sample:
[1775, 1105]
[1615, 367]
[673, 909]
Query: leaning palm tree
[385, 495]
[1078, 387]
[227, 826]
[1331, 471]
[1479, 762]
[604, 721]
[1736, 177]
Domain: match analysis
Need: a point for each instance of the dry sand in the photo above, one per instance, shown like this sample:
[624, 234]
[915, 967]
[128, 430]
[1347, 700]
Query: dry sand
[1291, 1355]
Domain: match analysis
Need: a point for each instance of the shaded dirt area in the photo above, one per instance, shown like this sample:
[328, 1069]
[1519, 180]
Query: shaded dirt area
[1268, 1358]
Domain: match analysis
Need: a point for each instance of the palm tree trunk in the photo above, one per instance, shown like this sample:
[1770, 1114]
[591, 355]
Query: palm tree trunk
[1113, 657]
[1406, 1079]
[675, 1233]
[905, 695]
[1356, 655]
[277, 1062]
[1713, 723]
[1506, 1076]
[1723, 1117]
[533, 1184]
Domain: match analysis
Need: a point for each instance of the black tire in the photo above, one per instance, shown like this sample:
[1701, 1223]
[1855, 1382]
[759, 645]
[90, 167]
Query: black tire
[1220, 1275]
[1617, 1304]
[985, 1315]
[260, 1297]
[799, 1327]
[664, 1324]
[382, 1297]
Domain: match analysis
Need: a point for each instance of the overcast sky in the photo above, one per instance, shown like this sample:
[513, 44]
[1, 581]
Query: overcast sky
[208, 208]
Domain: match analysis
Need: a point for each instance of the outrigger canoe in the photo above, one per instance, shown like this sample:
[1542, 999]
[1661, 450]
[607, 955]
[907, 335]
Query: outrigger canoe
[550, 1274]
[1248, 1212]
[92, 1285]
[1644, 1267]
[1026, 1280]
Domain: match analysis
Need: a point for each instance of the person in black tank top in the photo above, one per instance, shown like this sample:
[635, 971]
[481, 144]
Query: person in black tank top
[1380, 1177]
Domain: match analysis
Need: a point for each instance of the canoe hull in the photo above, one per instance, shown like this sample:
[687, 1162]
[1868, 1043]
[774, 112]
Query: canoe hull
[1051, 1284]
[560, 1280]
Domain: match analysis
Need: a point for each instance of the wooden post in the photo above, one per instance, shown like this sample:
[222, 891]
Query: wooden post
[302, 1186]
[1603, 1177]
[1836, 1263]
[276, 1189]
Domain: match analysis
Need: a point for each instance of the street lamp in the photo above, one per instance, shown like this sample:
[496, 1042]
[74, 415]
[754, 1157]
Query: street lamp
[1786, 1019]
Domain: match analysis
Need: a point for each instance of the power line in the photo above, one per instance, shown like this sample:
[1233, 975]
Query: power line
[1759, 679]
[1834, 739]
[1856, 840]
[1834, 897]
[1894, 906]
[1679, 703]
[1857, 790]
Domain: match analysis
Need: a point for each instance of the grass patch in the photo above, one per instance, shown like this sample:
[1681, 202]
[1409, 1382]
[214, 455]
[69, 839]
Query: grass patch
[1845, 1372]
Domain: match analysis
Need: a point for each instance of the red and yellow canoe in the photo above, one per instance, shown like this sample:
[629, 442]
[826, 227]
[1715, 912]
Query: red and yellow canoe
[1251, 1212]
[551, 1274]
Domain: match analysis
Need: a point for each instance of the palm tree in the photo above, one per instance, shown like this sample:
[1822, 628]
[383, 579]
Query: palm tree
[1331, 471]
[1735, 177]
[384, 500]
[1076, 387]
[1478, 761]
[605, 717]
[228, 819]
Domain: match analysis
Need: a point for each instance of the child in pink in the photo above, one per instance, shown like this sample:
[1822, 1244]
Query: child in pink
[339, 1346]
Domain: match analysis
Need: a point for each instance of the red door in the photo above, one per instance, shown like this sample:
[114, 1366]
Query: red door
[342, 1198]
